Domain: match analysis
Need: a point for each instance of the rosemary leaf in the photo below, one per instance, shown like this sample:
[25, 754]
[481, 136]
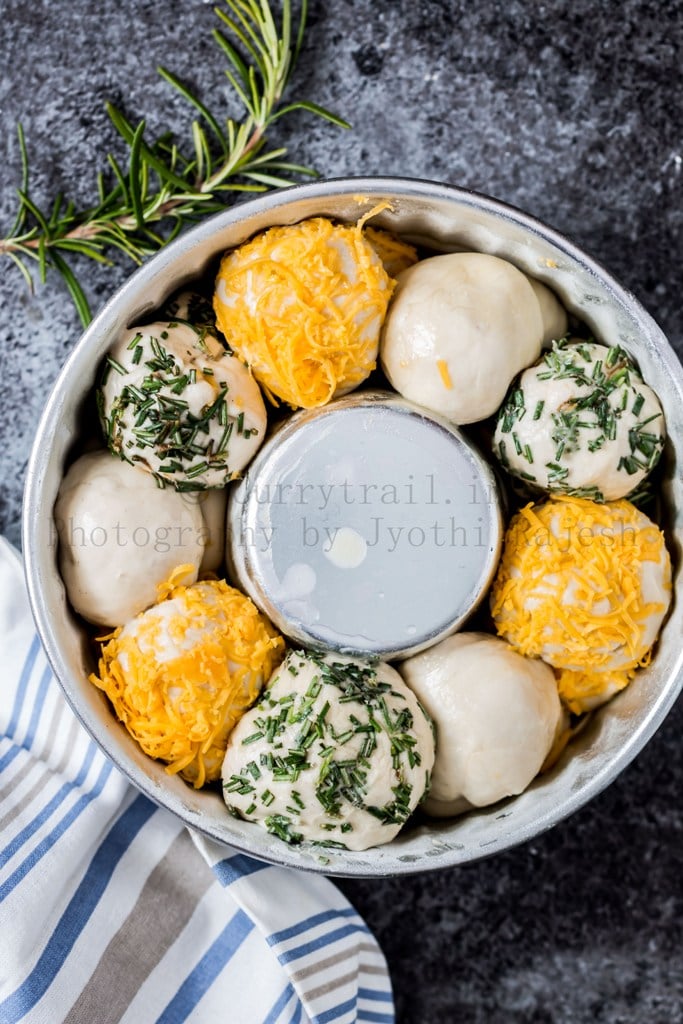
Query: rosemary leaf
[21, 266]
[75, 289]
[20, 218]
[134, 175]
[312, 108]
[91, 249]
[191, 98]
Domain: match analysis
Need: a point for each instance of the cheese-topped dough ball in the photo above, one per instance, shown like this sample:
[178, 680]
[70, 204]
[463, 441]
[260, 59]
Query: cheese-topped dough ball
[303, 306]
[585, 586]
[337, 751]
[395, 254]
[581, 421]
[584, 691]
[174, 402]
[496, 716]
[121, 536]
[460, 327]
[182, 673]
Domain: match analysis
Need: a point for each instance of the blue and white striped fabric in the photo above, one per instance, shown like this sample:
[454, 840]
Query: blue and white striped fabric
[112, 911]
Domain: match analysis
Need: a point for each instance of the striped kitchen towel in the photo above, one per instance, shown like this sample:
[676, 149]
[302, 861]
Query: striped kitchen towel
[112, 911]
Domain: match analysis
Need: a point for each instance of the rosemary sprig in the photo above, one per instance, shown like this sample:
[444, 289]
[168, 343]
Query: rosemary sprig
[165, 186]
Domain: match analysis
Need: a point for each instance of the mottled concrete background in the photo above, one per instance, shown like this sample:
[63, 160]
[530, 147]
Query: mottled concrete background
[570, 110]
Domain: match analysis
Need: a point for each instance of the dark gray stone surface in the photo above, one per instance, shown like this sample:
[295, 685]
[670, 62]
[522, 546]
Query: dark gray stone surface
[570, 110]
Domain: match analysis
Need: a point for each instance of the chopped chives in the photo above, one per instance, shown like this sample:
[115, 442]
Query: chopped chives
[638, 404]
[116, 365]
[252, 739]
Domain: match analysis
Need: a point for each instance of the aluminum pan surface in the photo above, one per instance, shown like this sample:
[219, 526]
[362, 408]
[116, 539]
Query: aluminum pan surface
[447, 219]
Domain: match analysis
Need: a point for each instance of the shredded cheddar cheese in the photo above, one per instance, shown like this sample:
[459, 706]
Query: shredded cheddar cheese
[445, 375]
[181, 674]
[571, 589]
[583, 691]
[395, 254]
[303, 306]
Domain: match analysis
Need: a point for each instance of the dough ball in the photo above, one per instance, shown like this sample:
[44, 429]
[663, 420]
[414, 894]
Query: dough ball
[303, 306]
[553, 313]
[395, 254]
[120, 536]
[337, 751]
[581, 421]
[175, 403]
[192, 307]
[460, 327]
[181, 674]
[584, 691]
[213, 504]
[585, 586]
[496, 716]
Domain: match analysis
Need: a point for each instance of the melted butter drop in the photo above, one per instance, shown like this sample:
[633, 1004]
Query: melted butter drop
[346, 548]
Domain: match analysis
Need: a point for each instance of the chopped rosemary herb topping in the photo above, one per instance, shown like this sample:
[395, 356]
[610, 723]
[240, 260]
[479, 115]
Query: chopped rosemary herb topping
[238, 784]
[398, 810]
[607, 384]
[149, 414]
[592, 493]
[333, 751]
[281, 826]
[116, 366]
[194, 309]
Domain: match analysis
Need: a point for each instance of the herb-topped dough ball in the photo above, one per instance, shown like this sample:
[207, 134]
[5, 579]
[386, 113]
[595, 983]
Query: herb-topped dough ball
[175, 403]
[303, 306]
[496, 715]
[459, 328]
[585, 586]
[121, 536]
[192, 308]
[337, 751]
[581, 421]
[181, 674]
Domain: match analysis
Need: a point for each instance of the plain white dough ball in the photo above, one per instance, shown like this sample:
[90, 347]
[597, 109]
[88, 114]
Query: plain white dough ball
[459, 328]
[212, 503]
[120, 535]
[496, 715]
[555, 322]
